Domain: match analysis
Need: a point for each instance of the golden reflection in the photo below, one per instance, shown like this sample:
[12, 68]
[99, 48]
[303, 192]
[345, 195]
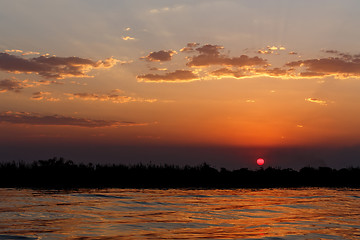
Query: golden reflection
[185, 214]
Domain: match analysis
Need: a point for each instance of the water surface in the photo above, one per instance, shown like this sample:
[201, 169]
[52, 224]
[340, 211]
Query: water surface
[312, 213]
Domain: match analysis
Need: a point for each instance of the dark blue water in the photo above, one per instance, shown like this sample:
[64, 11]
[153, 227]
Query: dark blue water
[314, 213]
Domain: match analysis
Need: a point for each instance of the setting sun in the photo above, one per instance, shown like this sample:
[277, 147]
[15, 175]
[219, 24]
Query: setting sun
[260, 161]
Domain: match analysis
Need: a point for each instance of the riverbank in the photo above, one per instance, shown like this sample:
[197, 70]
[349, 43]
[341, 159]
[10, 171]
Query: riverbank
[61, 174]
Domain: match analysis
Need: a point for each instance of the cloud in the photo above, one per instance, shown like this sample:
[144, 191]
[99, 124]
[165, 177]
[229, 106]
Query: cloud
[243, 73]
[265, 51]
[339, 67]
[273, 72]
[210, 55]
[11, 85]
[44, 96]
[126, 38]
[13, 51]
[315, 100]
[114, 97]
[271, 50]
[59, 120]
[189, 47]
[165, 9]
[160, 56]
[52, 66]
[275, 48]
[346, 56]
[157, 69]
[30, 53]
[177, 76]
[226, 72]
[22, 52]
[17, 85]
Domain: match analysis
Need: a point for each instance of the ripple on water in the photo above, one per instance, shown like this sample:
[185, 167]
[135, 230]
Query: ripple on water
[180, 214]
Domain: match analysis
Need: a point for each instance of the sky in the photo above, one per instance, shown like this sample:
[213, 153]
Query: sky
[181, 82]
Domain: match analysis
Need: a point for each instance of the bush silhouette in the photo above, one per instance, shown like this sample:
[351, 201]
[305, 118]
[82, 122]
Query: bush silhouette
[60, 173]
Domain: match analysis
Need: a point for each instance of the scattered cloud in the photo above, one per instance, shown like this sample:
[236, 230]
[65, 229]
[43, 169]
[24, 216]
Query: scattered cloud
[30, 53]
[160, 56]
[206, 57]
[315, 100]
[126, 38]
[52, 66]
[29, 118]
[177, 76]
[275, 48]
[44, 96]
[13, 51]
[165, 9]
[11, 85]
[210, 55]
[271, 50]
[15, 85]
[264, 51]
[189, 47]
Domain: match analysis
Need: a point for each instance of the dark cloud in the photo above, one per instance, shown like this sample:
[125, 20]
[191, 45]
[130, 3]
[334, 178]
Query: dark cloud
[57, 120]
[226, 72]
[177, 76]
[341, 67]
[11, 85]
[331, 51]
[52, 67]
[210, 55]
[160, 56]
[209, 49]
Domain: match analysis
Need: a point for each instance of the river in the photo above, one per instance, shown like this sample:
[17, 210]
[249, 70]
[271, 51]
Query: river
[308, 213]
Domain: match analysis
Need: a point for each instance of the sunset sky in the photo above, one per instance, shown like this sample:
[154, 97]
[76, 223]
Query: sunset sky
[181, 81]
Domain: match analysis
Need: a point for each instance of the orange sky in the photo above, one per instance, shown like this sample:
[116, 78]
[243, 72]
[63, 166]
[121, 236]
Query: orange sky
[210, 73]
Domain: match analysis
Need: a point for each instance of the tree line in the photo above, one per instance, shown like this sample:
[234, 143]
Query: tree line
[59, 173]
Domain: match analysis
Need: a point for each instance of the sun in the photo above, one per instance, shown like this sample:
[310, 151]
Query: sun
[260, 161]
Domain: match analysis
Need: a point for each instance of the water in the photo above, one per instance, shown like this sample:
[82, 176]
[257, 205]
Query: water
[313, 213]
